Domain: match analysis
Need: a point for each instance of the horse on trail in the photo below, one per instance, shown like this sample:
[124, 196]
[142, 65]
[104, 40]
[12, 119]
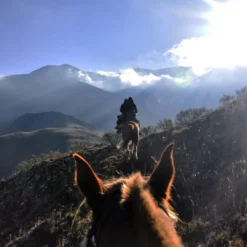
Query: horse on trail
[130, 211]
[130, 132]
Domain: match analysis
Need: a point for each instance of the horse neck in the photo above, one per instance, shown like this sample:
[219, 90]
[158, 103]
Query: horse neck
[154, 226]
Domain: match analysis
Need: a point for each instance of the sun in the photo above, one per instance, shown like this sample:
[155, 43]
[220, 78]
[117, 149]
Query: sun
[226, 35]
[224, 44]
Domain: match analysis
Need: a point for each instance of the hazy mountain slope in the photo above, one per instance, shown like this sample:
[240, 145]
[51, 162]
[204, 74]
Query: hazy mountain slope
[160, 101]
[165, 98]
[35, 121]
[61, 88]
[37, 83]
[50, 88]
[161, 93]
[20, 146]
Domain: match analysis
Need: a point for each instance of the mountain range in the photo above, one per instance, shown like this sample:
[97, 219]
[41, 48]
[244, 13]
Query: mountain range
[95, 97]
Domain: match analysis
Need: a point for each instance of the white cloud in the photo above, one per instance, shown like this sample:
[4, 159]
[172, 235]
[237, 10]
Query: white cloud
[2, 76]
[105, 73]
[114, 81]
[130, 76]
[85, 77]
[195, 52]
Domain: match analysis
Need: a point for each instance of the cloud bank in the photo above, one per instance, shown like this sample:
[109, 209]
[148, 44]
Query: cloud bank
[113, 81]
[125, 78]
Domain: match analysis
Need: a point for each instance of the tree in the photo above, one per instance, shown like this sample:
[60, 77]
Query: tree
[113, 138]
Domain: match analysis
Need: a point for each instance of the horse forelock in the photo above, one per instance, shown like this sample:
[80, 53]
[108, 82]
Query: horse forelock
[133, 188]
[136, 190]
[135, 197]
[145, 210]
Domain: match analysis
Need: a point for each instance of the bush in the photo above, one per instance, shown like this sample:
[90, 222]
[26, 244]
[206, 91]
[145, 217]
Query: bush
[148, 130]
[241, 93]
[113, 138]
[187, 116]
[226, 99]
[165, 125]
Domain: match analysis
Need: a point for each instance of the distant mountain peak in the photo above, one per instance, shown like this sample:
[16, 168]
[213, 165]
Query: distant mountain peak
[49, 68]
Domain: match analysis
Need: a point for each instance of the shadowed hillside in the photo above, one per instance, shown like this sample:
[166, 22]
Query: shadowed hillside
[209, 191]
[20, 146]
[36, 121]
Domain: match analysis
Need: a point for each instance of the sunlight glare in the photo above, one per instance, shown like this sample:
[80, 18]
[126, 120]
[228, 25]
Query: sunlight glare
[225, 42]
[227, 36]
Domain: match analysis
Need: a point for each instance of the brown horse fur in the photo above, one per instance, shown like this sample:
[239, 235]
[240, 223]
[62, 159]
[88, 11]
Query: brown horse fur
[130, 132]
[129, 206]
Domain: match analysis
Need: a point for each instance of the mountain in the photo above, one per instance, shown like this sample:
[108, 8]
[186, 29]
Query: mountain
[43, 120]
[50, 88]
[95, 97]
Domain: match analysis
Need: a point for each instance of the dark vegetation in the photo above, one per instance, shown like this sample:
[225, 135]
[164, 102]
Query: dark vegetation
[38, 204]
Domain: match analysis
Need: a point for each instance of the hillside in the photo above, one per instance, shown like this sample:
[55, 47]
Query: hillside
[43, 120]
[19, 146]
[209, 191]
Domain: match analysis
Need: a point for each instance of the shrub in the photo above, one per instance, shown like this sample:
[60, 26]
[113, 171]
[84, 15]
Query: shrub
[148, 130]
[241, 93]
[113, 138]
[165, 125]
[186, 116]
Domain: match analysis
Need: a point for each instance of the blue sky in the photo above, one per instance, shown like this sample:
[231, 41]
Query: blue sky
[93, 34]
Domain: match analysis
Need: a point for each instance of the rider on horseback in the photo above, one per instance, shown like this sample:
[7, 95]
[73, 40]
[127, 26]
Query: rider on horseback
[129, 111]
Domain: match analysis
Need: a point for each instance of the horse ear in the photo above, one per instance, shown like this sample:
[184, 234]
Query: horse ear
[89, 184]
[163, 174]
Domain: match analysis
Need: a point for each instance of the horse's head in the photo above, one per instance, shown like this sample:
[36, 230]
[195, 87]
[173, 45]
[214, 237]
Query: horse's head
[130, 211]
